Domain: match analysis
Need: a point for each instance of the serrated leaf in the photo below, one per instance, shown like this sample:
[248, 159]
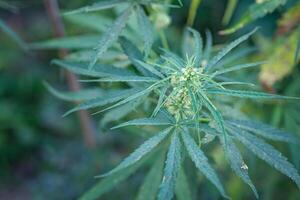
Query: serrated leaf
[224, 51]
[109, 97]
[182, 188]
[99, 70]
[108, 183]
[150, 68]
[102, 5]
[120, 112]
[123, 79]
[110, 36]
[265, 131]
[13, 35]
[173, 58]
[249, 94]
[71, 42]
[133, 54]
[151, 183]
[208, 47]
[145, 122]
[172, 166]
[201, 161]
[198, 47]
[238, 67]
[92, 21]
[81, 95]
[267, 153]
[146, 29]
[236, 161]
[144, 92]
[140, 152]
[255, 11]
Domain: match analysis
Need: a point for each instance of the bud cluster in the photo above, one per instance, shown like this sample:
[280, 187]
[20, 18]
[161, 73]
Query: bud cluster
[179, 102]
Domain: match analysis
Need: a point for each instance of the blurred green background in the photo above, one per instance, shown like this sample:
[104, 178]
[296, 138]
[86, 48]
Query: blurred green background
[43, 156]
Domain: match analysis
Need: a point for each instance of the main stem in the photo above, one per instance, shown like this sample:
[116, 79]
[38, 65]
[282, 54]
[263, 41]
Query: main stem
[72, 81]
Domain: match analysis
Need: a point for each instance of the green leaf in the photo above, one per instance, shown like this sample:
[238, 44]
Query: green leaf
[92, 21]
[109, 97]
[193, 11]
[198, 47]
[249, 94]
[109, 183]
[81, 95]
[255, 11]
[217, 116]
[182, 188]
[133, 54]
[149, 188]
[110, 36]
[72, 42]
[265, 131]
[150, 68]
[267, 153]
[236, 161]
[201, 161]
[140, 152]
[123, 79]
[146, 29]
[208, 47]
[12, 34]
[145, 122]
[172, 167]
[211, 64]
[98, 71]
[120, 112]
[238, 67]
[231, 5]
[102, 5]
[144, 92]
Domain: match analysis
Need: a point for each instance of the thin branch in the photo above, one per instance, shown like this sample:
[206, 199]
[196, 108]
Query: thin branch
[86, 125]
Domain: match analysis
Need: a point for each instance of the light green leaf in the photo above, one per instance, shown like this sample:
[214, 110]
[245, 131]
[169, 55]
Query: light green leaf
[265, 131]
[150, 186]
[146, 29]
[208, 47]
[236, 161]
[249, 94]
[110, 182]
[150, 68]
[182, 188]
[72, 42]
[92, 21]
[201, 161]
[120, 112]
[172, 167]
[211, 64]
[98, 71]
[198, 47]
[123, 79]
[133, 54]
[267, 153]
[255, 11]
[145, 122]
[109, 97]
[140, 152]
[238, 67]
[102, 5]
[81, 95]
[110, 36]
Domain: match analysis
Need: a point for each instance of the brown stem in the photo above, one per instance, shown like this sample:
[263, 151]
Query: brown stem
[59, 31]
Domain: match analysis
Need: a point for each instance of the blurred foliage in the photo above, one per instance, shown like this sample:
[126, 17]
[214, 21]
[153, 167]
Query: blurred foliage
[42, 154]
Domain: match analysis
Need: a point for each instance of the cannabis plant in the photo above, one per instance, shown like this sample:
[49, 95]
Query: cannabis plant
[189, 100]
